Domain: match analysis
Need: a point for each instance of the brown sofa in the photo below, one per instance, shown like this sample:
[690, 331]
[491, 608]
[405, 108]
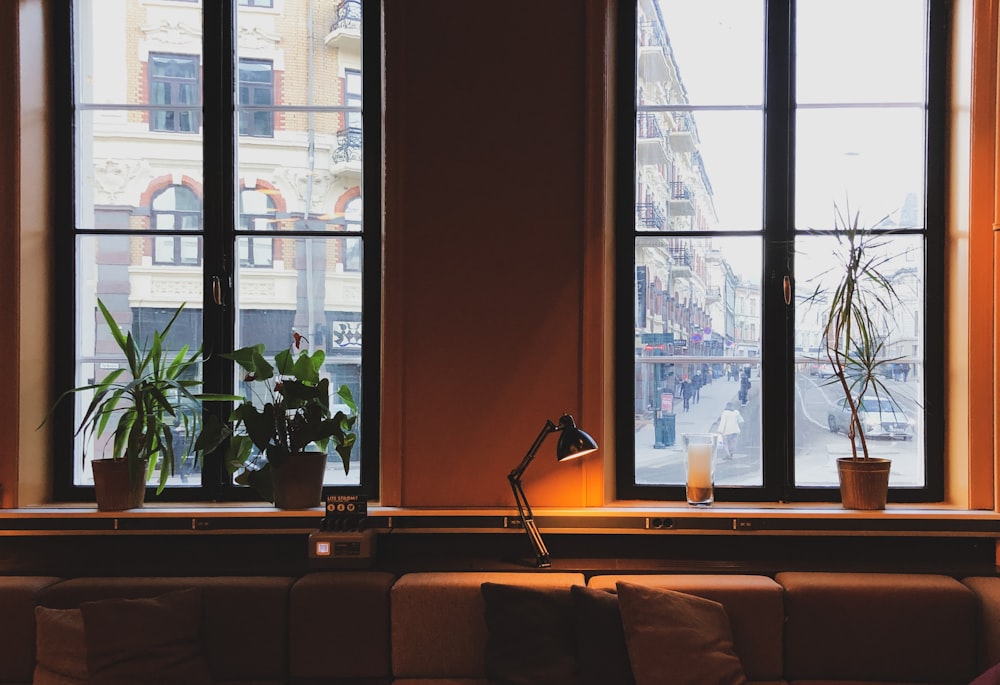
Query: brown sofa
[369, 627]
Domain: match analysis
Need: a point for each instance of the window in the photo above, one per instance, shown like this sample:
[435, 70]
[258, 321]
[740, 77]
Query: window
[256, 3]
[256, 90]
[176, 209]
[249, 218]
[173, 81]
[257, 213]
[740, 135]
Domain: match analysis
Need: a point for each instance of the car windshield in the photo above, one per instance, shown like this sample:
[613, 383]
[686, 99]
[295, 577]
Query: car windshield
[881, 405]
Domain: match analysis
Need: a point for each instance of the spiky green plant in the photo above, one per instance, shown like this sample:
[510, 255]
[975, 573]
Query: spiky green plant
[859, 307]
[144, 402]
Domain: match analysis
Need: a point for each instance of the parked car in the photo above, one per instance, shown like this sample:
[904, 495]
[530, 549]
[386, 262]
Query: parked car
[882, 418]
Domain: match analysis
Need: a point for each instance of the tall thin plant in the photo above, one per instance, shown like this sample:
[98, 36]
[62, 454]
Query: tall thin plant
[859, 307]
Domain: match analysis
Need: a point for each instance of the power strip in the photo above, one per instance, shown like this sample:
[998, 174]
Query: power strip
[332, 549]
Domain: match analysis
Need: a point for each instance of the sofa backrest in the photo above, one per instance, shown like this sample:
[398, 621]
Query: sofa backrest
[753, 604]
[874, 627]
[438, 624]
[244, 622]
[18, 598]
[339, 626]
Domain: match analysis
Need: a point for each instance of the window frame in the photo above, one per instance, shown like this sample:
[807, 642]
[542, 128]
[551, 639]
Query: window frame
[174, 83]
[777, 320]
[218, 84]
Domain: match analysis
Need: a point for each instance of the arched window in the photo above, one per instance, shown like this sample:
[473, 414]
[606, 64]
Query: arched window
[257, 213]
[176, 209]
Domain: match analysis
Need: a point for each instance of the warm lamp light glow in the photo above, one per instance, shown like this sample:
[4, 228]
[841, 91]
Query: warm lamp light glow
[573, 443]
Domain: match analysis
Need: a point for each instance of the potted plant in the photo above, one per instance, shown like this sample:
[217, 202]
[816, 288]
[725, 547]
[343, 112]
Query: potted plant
[857, 318]
[143, 403]
[278, 435]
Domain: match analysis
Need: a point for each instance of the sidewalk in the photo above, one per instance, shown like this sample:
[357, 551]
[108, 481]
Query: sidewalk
[664, 464]
[701, 415]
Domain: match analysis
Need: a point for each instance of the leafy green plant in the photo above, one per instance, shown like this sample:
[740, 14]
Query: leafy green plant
[858, 308]
[288, 409]
[144, 403]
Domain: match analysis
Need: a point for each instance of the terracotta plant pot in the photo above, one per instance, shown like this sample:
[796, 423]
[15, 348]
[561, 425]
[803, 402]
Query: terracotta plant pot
[298, 482]
[864, 483]
[115, 488]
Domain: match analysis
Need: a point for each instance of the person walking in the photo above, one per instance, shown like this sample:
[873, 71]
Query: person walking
[744, 388]
[686, 393]
[730, 425]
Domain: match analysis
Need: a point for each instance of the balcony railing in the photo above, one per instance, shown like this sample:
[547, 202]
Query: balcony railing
[348, 16]
[680, 256]
[648, 126]
[651, 34]
[649, 215]
[348, 146]
[679, 191]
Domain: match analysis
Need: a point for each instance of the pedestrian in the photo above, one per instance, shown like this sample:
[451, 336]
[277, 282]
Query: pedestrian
[730, 425]
[686, 393]
[744, 388]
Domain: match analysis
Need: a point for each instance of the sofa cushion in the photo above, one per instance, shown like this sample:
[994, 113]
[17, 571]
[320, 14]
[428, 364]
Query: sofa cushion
[60, 647]
[678, 638]
[438, 624]
[530, 637]
[150, 640]
[754, 604]
[891, 627]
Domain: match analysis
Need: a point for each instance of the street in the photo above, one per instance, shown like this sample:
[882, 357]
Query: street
[817, 448]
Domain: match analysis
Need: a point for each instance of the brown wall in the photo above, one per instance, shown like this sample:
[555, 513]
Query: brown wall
[485, 196]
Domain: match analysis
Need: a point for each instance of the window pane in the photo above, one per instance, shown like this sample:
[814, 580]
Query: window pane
[699, 171]
[896, 432]
[680, 61]
[308, 291]
[142, 297]
[873, 158]
[697, 342]
[861, 51]
[311, 74]
[120, 179]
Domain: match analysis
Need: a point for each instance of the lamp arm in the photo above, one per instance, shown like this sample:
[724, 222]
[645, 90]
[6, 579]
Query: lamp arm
[518, 471]
[523, 507]
[542, 559]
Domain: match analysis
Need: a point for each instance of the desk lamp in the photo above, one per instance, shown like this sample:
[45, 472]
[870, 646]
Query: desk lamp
[572, 443]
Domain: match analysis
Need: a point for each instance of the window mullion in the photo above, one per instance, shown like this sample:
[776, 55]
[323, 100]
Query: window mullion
[219, 122]
[777, 343]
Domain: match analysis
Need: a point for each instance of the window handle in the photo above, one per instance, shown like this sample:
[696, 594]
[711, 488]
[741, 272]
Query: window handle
[217, 290]
[787, 285]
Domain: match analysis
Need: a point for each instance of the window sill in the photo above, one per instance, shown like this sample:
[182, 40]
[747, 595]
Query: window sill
[719, 519]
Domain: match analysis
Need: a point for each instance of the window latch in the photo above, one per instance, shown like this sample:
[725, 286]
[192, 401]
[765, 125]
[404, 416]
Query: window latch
[217, 290]
[787, 285]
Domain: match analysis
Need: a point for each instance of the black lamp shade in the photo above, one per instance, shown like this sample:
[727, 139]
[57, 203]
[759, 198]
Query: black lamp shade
[573, 442]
